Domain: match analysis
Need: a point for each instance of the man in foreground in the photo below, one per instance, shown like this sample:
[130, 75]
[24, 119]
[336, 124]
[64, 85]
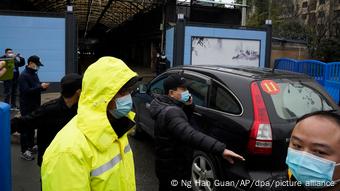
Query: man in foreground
[314, 152]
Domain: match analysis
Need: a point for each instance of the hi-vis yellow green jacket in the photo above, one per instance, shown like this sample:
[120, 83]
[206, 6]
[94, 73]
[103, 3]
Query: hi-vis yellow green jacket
[87, 154]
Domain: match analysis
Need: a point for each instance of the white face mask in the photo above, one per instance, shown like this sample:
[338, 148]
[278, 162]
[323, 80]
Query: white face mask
[11, 55]
[35, 67]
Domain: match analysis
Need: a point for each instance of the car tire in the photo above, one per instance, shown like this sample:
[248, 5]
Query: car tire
[203, 172]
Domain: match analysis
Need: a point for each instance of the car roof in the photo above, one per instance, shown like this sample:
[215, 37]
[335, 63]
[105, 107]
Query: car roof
[245, 71]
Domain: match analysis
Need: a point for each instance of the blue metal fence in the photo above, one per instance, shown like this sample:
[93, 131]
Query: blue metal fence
[5, 148]
[327, 74]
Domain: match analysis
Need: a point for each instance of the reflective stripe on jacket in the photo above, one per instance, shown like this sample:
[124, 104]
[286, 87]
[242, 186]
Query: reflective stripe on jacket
[87, 153]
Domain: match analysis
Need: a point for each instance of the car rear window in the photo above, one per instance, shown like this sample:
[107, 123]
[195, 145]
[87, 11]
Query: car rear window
[293, 99]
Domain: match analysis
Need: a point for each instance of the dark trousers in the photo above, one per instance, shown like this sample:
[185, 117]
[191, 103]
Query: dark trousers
[10, 90]
[26, 139]
[26, 135]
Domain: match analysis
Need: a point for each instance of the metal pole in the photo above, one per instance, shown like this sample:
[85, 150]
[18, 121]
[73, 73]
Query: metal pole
[179, 40]
[244, 13]
[268, 43]
[89, 10]
[71, 39]
[163, 27]
[270, 9]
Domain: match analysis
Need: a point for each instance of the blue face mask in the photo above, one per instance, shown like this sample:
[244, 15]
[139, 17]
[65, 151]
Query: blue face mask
[311, 170]
[123, 106]
[185, 96]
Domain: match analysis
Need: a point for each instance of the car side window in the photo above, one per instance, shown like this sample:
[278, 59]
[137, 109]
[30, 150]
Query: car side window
[157, 87]
[225, 101]
[198, 90]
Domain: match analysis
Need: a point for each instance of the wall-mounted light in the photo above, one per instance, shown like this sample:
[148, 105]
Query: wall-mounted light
[268, 22]
[69, 8]
[180, 16]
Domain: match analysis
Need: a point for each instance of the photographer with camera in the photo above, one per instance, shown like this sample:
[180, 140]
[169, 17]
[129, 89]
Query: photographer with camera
[10, 86]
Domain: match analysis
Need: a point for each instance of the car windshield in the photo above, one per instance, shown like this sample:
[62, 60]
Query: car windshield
[293, 99]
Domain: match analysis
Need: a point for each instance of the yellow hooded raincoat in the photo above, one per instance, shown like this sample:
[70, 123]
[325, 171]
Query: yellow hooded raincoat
[87, 153]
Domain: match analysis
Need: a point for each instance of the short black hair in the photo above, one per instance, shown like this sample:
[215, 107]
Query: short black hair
[331, 115]
[8, 49]
[70, 83]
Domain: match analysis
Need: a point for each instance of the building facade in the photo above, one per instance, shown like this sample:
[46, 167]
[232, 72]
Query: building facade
[323, 14]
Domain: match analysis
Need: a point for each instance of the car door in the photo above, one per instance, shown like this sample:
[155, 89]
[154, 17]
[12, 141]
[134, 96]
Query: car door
[217, 111]
[225, 118]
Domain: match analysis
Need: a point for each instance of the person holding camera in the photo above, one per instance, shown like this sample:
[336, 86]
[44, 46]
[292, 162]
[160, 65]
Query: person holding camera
[10, 86]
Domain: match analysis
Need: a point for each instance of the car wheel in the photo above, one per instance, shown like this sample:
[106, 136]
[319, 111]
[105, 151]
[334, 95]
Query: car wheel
[203, 172]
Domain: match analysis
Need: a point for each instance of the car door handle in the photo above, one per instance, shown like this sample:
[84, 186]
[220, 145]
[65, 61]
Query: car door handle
[147, 106]
[198, 114]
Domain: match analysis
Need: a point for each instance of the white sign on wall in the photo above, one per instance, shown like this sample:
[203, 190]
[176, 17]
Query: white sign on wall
[219, 51]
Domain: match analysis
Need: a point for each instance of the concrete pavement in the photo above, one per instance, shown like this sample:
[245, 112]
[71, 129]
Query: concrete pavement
[26, 174]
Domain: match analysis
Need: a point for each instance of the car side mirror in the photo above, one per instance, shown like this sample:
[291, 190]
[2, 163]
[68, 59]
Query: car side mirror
[142, 88]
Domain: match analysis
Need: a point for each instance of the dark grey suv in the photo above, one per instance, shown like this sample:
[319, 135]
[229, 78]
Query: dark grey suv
[251, 110]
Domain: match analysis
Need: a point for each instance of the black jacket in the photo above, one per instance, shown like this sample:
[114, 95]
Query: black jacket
[30, 91]
[175, 137]
[49, 119]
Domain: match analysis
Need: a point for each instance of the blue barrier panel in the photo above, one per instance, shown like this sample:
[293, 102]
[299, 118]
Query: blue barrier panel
[333, 89]
[313, 68]
[286, 64]
[332, 80]
[333, 71]
[5, 148]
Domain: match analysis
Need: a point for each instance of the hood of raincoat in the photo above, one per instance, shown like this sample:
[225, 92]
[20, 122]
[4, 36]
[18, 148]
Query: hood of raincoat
[101, 82]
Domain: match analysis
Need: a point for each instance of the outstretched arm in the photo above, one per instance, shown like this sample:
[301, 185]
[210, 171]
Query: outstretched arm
[181, 129]
[31, 120]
